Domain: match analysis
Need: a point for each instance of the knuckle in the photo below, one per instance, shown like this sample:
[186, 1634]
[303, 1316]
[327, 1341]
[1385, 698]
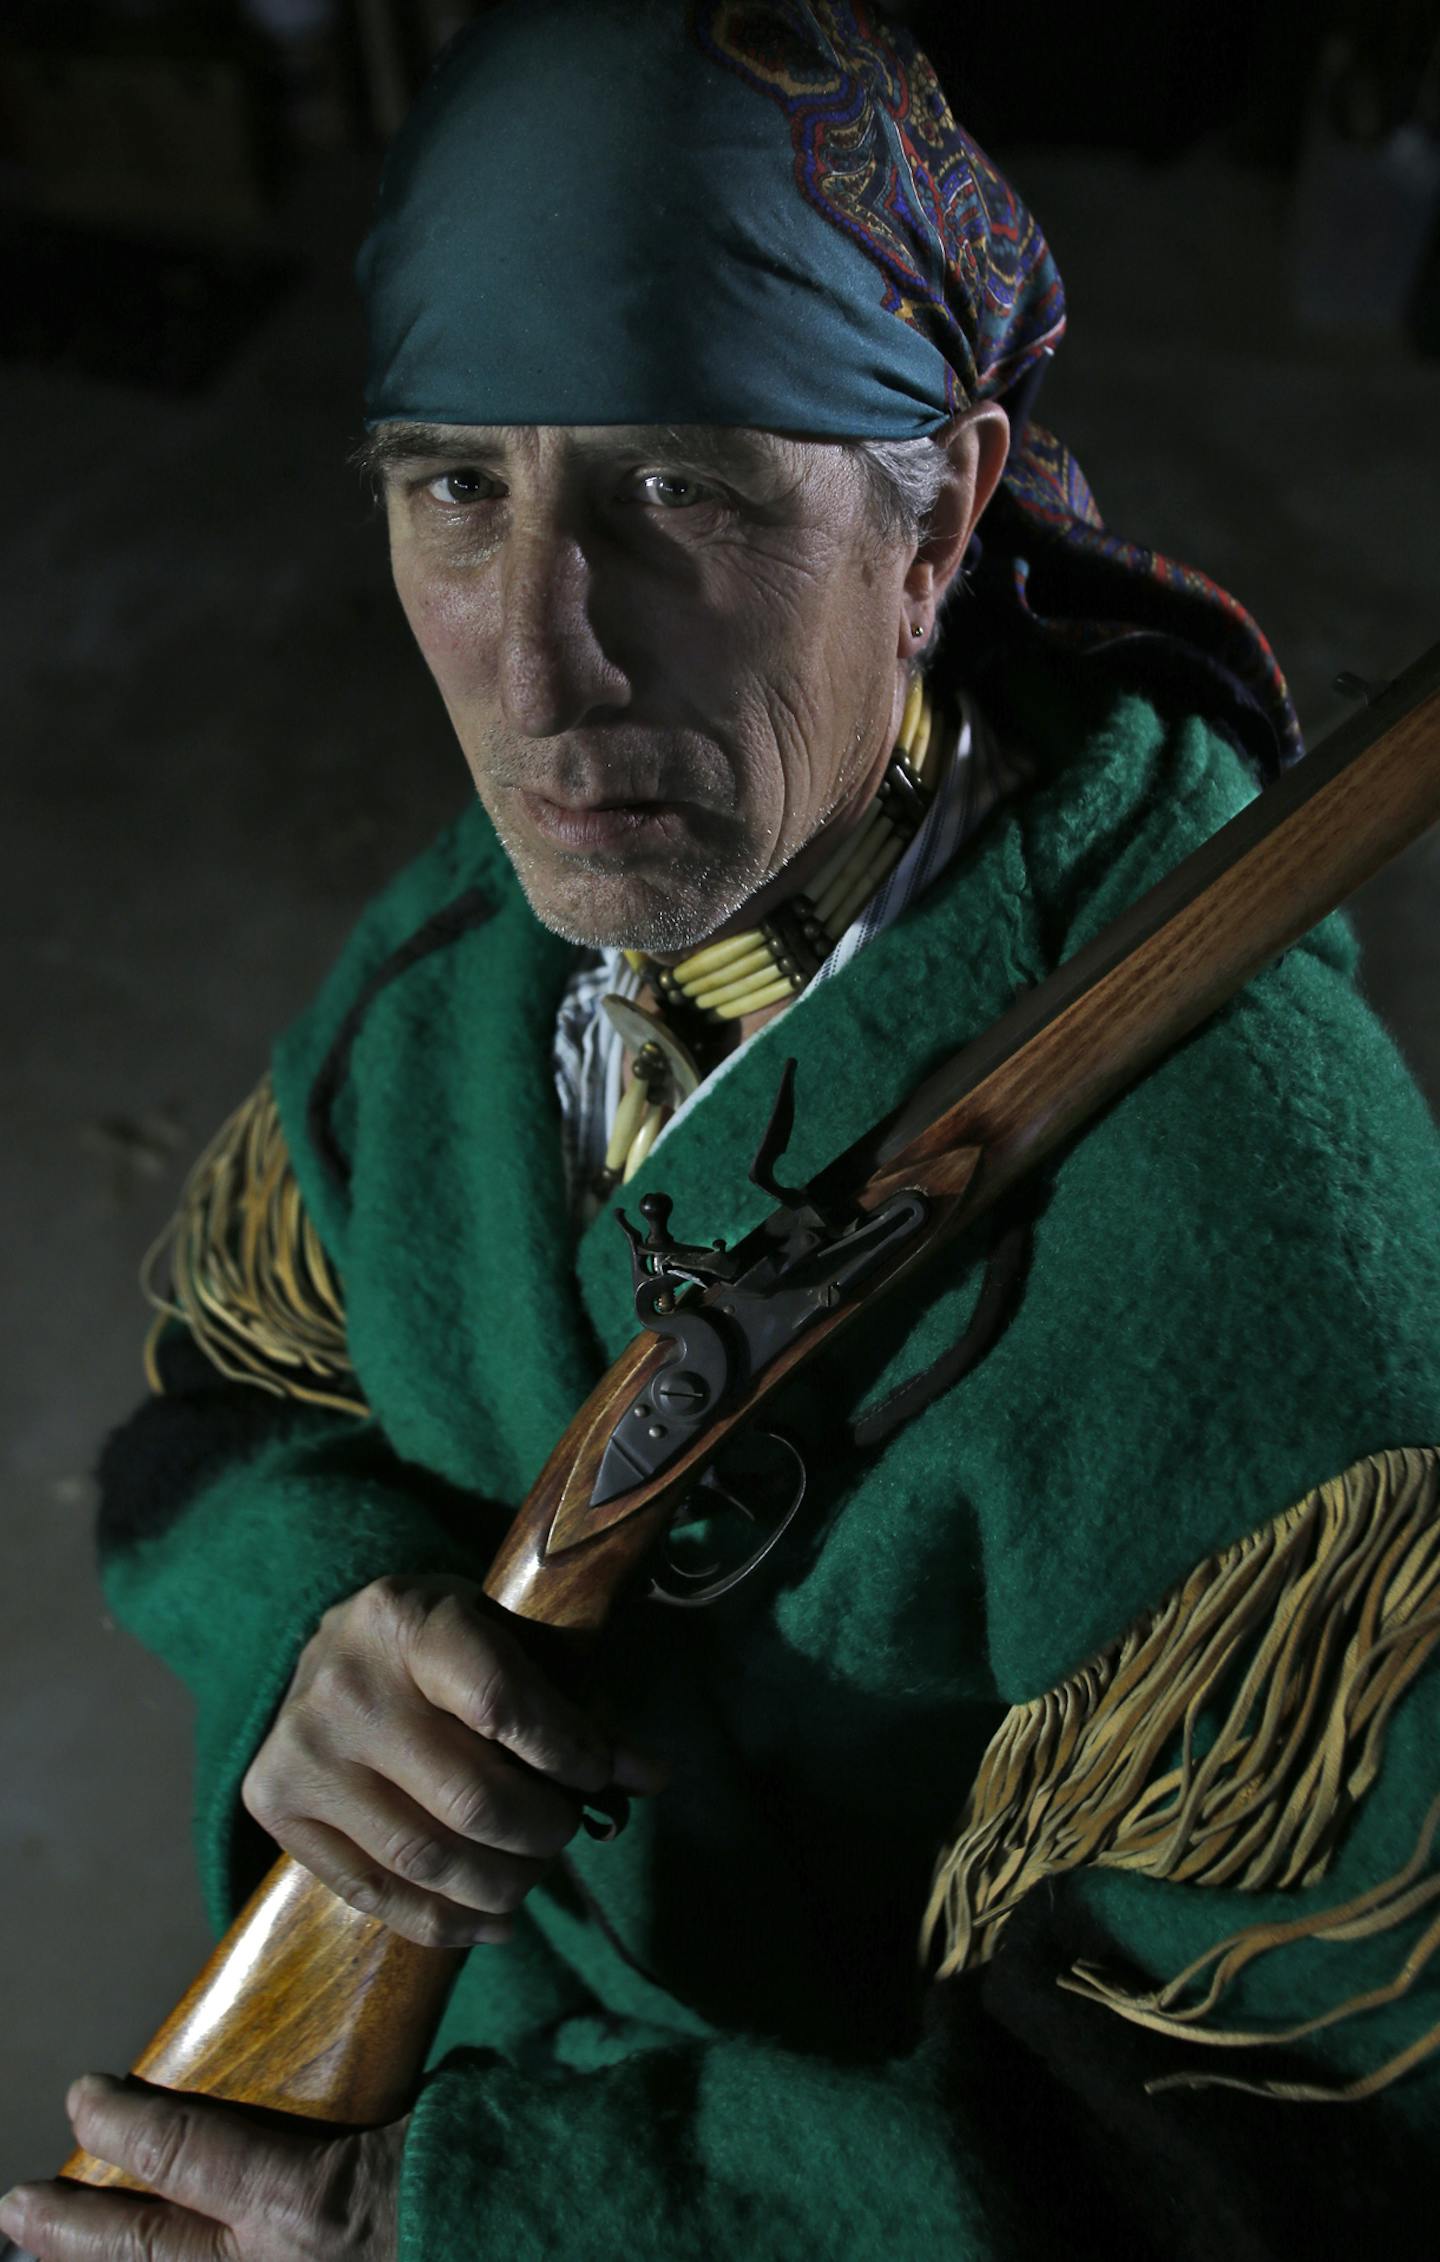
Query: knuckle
[395, 1608]
[333, 1622]
[162, 2144]
[454, 1636]
[339, 1686]
[490, 1706]
[145, 2238]
[149, 2234]
[449, 1614]
[467, 1806]
[418, 1858]
[255, 1793]
[281, 1797]
[361, 1891]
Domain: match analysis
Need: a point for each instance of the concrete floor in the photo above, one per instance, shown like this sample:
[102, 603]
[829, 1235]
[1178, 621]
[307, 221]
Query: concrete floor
[220, 741]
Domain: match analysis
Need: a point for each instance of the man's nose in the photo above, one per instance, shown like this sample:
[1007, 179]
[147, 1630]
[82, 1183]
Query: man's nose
[554, 670]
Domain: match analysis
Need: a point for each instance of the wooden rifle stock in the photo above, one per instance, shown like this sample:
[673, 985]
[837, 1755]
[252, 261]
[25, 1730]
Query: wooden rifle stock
[307, 2008]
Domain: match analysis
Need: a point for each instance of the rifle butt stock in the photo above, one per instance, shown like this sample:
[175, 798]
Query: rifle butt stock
[306, 2010]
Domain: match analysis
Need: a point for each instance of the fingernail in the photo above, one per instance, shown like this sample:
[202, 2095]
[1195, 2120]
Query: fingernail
[12, 2208]
[86, 2089]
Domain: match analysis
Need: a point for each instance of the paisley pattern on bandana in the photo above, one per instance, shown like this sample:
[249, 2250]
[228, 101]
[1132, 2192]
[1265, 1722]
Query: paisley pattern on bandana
[878, 154]
[1124, 587]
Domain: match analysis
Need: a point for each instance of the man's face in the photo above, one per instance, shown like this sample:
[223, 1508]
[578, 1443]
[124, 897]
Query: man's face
[669, 654]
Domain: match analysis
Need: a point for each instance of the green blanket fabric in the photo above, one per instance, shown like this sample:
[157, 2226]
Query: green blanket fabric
[710, 2036]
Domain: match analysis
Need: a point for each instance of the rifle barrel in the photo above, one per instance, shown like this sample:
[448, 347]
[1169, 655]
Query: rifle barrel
[1184, 948]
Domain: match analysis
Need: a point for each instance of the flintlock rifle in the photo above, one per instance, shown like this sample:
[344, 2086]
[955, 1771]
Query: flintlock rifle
[310, 2009]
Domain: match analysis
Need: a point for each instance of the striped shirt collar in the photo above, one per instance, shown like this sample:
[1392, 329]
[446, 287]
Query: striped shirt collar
[589, 1053]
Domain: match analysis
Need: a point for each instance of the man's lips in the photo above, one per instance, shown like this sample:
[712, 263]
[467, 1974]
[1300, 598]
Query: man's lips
[599, 824]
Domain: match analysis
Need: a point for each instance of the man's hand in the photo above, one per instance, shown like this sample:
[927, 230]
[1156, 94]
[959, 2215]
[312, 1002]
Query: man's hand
[421, 1766]
[226, 2189]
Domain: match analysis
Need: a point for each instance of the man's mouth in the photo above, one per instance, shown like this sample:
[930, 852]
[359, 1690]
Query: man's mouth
[580, 825]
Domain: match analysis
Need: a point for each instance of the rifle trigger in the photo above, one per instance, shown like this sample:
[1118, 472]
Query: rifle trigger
[694, 1586]
[605, 1814]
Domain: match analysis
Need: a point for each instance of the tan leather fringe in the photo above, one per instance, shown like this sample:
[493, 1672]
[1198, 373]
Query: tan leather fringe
[1298, 1642]
[248, 1275]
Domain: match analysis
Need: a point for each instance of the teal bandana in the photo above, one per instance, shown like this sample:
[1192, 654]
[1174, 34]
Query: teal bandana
[591, 219]
[763, 212]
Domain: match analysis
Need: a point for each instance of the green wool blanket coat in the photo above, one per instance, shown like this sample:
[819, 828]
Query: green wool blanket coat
[715, 2034]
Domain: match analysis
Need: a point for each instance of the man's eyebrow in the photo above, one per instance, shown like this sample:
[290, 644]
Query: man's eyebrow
[708, 447]
[412, 443]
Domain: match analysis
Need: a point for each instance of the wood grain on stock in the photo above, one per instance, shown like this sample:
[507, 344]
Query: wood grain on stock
[305, 2008]
[310, 2009]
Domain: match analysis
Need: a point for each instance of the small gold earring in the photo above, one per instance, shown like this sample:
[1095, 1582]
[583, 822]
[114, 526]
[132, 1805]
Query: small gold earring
[916, 629]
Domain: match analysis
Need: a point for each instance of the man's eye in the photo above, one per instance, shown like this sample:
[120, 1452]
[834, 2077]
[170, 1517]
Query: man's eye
[671, 490]
[459, 487]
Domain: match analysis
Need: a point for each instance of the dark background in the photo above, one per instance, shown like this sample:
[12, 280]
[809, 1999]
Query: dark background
[218, 741]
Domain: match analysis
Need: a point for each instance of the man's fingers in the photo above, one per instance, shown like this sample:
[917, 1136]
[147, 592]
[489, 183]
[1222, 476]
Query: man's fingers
[423, 1768]
[223, 2187]
[411, 1846]
[190, 2149]
[363, 1882]
[206, 2161]
[474, 1669]
[478, 1792]
[66, 2222]
[440, 1809]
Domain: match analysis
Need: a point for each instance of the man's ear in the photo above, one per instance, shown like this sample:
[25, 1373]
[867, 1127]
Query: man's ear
[977, 443]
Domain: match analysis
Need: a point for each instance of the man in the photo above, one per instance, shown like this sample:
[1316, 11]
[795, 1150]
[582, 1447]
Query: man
[700, 339]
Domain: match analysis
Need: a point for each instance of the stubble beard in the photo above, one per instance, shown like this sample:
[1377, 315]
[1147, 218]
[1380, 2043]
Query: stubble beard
[664, 905]
[609, 902]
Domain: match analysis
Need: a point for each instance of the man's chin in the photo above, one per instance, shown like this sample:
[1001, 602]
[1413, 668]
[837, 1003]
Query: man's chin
[607, 909]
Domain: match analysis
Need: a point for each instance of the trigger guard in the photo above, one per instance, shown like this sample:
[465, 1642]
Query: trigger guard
[703, 1589]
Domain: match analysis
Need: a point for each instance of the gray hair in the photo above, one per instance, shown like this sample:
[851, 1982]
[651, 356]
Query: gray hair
[903, 479]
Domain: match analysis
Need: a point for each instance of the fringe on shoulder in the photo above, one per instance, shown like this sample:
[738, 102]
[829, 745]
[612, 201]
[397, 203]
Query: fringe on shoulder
[247, 1273]
[1295, 1644]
